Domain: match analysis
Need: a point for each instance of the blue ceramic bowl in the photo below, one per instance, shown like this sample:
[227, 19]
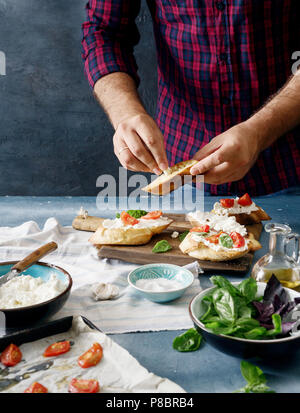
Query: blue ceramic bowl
[18, 317]
[168, 271]
[241, 347]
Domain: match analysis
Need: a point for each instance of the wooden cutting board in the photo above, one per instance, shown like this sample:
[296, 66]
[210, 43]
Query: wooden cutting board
[142, 254]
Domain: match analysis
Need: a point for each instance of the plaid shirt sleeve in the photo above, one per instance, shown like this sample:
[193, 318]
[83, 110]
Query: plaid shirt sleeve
[108, 37]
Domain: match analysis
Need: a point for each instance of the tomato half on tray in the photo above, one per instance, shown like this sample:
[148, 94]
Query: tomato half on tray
[57, 348]
[84, 386]
[91, 357]
[11, 356]
[36, 388]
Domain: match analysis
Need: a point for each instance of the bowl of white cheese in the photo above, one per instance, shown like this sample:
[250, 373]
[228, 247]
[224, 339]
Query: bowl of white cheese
[161, 282]
[36, 294]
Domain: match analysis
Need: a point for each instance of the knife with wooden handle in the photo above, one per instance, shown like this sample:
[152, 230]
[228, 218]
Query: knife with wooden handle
[31, 259]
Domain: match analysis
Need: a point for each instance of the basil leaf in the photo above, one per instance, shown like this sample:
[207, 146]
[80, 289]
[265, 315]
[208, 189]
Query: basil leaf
[261, 388]
[256, 334]
[209, 312]
[248, 289]
[137, 213]
[247, 324]
[277, 326]
[183, 235]
[161, 246]
[218, 327]
[226, 241]
[188, 341]
[224, 304]
[222, 282]
[256, 380]
[201, 234]
[252, 374]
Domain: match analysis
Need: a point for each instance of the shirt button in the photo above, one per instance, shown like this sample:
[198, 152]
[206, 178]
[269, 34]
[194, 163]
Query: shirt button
[220, 5]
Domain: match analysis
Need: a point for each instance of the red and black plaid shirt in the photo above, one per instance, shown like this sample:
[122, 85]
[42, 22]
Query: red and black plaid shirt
[218, 62]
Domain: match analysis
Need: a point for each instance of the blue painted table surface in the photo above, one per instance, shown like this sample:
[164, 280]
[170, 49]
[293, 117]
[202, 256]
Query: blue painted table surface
[206, 370]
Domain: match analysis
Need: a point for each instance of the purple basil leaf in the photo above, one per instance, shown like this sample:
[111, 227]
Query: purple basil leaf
[277, 303]
[274, 288]
[265, 310]
[287, 308]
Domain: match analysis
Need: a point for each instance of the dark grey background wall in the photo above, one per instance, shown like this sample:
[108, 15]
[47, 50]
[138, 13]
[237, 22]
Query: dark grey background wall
[54, 138]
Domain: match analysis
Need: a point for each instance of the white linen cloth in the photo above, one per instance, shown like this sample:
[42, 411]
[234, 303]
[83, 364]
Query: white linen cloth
[117, 372]
[129, 312]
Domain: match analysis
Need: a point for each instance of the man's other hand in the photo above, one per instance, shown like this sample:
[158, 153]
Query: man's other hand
[228, 156]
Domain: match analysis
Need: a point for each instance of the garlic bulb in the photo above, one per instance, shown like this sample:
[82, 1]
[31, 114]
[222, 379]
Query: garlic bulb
[104, 291]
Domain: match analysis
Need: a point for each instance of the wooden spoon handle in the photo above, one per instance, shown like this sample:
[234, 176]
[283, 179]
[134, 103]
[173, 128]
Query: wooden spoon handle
[34, 256]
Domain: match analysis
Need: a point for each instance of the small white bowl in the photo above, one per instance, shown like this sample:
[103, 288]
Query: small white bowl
[167, 271]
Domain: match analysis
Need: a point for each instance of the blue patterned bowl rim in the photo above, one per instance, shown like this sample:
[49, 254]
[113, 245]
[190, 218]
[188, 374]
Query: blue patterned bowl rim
[171, 266]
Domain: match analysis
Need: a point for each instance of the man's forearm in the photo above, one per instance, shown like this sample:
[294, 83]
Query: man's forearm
[117, 94]
[279, 115]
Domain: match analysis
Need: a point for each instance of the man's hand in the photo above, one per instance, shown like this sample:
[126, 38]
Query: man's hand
[139, 145]
[138, 142]
[229, 156]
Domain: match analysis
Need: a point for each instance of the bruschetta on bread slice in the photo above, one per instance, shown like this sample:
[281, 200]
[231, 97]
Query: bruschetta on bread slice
[242, 208]
[126, 229]
[217, 238]
[170, 179]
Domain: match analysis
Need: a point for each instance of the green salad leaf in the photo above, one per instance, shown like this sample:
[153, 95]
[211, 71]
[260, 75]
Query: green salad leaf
[182, 235]
[255, 378]
[161, 246]
[188, 341]
[135, 213]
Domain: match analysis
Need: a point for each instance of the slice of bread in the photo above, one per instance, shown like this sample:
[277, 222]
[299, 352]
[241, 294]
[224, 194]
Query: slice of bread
[202, 252]
[127, 235]
[171, 179]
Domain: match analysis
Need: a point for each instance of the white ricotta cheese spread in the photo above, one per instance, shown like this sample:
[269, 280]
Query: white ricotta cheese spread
[158, 284]
[217, 222]
[25, 290]
[236, 209]
[143, 223]
[216, 247]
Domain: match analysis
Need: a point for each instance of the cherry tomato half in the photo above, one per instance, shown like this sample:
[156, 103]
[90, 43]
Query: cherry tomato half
[245, 200]
[84, 386]
[201, 228]
[227, 203]
[238, 239]
[214, 239]
[91, 357]
[56, 349]
[153, 215]
[128, 219]
[11, 356]
[36, 388]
